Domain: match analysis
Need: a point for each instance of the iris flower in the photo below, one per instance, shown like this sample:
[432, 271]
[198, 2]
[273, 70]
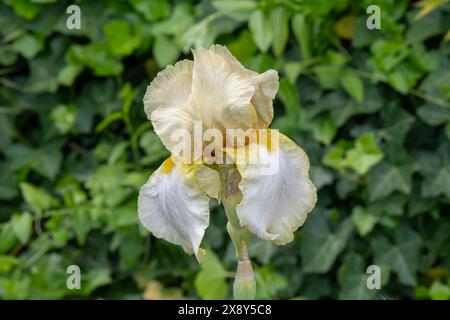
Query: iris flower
[217, 92]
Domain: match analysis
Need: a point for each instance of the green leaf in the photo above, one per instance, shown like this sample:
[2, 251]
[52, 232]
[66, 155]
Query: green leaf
[21, 225]
[436, 169]
[365, 154]
[323, 128]
[69, 73]
[7, 263]
[7, 238]
[335, 158]
[353, 84]
[302, 33]
[289, 95]
[28, 45]
[210, 282]
[434, 186]
[401, 256]
[37, 198]
[152, 10]
[153, 148]
[165, 51]
[268, 283]
[293, 70]
[119, 37]
[320, 246]
[95, 279]
[439, 291]
[261, 29]
[434, 115]
[280, 24]
[321, 176]
[424, 28]
[81, 225]
[364, 220]
[385, 178]
[96, 57]
[397, 123]
[27, 9]
[46, 67]
[234, 5]
[352, 279]
[63, 117]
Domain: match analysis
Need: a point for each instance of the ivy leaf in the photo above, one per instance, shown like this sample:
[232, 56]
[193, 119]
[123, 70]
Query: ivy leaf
[261, 29]
[439, 291]
[165, 51]
[120, 38]
[343, 109]
[323, 128]
[386, 178]
[436, 169]
[289, 95]
[320, 246]
[45, 68]
[352, 279]
[152, 10]
[7, 238]
[269, 283]
[21, 225]
[365, 154]
[397, 123]
[434, 186]
[27, 9]
[353, 84]
[280, 24]
[434, 115]
[321, 176]
[95, 279]
[301, 30]
[364, 220]
[97, 57]
[37, 198]
[210, 281]
[28, 45]
[401, 256]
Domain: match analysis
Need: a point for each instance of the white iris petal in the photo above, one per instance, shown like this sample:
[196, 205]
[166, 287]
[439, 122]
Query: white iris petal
[172, 207]
[275, 205]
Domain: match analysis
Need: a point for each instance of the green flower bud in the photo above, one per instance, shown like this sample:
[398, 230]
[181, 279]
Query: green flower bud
[244, 286]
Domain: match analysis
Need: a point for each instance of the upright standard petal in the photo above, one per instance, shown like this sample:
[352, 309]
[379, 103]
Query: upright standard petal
[172, 207]
[277, 191]
[221, 96]
[265, 84]
[167, 104]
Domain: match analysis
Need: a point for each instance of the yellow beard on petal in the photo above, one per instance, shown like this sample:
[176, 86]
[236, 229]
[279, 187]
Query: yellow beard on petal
[267, 141]
[167, 165]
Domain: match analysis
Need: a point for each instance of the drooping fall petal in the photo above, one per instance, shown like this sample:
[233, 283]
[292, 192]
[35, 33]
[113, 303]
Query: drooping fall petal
[277, 191]
[172, 207]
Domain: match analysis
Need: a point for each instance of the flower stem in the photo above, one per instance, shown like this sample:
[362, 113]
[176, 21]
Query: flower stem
[244, 287]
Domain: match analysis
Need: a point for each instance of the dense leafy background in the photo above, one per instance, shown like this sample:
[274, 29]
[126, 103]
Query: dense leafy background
[371, 108]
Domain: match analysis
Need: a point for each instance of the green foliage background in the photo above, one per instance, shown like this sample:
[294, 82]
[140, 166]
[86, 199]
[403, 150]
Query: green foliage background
[370, 107]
